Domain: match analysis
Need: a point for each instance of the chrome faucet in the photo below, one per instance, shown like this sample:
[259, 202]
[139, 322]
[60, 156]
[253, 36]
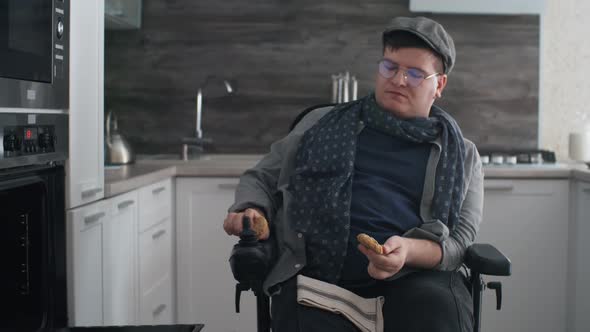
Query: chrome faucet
[198, 141]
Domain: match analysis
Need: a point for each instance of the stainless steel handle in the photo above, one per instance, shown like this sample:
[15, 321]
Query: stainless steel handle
[158, 234]
[93, 217]
[125, 204]
[499, 187]
[91, 192]
[228, 186]
[159, 309]
[158, 190]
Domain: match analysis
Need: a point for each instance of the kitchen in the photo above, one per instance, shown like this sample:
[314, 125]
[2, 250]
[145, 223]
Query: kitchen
[156, 224]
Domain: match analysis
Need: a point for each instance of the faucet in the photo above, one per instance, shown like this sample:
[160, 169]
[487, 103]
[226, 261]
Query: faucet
[198, 141]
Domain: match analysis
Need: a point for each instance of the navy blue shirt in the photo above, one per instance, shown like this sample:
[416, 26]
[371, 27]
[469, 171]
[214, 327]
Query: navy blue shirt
[386, 193]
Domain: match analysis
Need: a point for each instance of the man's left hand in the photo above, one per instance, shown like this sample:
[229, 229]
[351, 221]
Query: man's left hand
[395, 253]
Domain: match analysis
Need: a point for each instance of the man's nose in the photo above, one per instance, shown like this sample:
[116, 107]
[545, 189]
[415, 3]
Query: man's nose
[399, 78]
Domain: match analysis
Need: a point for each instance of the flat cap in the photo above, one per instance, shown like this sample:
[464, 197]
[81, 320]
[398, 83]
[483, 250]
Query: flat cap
[431, 32]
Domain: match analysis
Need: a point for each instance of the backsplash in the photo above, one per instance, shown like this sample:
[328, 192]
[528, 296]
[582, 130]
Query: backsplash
[279, 56]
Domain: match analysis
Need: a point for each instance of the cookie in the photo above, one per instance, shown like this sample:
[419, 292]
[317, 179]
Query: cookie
[260, 226]
[370, 243]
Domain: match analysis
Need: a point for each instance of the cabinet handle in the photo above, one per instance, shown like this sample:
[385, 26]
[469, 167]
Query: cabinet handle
[159, 309]
[228, 186]
[125, 204]
[91, 192]
[93, 218]
[499, 187]
[158, 234]
[586, 190]
[158, 190]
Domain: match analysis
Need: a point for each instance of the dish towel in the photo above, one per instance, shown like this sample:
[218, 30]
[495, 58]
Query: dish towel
[366, 314]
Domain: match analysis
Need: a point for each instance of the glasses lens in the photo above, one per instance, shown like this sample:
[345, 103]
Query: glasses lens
[387, 68]
[415, 77]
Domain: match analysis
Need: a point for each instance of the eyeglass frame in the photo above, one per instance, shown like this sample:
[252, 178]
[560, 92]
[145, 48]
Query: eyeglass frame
[405, 72]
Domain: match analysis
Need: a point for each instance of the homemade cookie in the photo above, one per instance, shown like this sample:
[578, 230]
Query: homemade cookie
[260, 226]
[370, 243]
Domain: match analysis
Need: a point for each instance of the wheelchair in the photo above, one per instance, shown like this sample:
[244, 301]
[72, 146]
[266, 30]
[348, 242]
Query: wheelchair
[251, 260]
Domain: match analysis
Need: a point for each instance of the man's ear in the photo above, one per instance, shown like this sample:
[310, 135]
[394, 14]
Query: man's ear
[440, 86]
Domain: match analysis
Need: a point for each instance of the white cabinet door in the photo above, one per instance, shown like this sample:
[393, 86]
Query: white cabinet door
[85, 180]
[579, 287]
[87, 230]
[528, 221]
[120, 270]
[205, 284]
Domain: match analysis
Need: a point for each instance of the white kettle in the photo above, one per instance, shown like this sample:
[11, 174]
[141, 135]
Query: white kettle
[117, 149]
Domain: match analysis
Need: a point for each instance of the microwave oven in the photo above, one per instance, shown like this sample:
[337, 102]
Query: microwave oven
[34, 55]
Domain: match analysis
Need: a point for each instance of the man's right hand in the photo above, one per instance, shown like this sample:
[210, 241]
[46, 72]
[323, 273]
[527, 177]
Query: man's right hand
[233, 222]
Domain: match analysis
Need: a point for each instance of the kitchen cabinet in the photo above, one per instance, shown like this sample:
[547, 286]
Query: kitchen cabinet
[87, 249]
[156, 256]
[123, 14]
[478, 6]
[205, 284]
[101, 239]
[579, 266]
[85, 166]
[528, 221]
[119, 273]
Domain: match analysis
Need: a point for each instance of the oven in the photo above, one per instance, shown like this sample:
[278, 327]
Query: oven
[34, 54]
[33, 149]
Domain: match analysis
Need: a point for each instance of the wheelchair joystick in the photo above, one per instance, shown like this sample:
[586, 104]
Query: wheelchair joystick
[249, 262]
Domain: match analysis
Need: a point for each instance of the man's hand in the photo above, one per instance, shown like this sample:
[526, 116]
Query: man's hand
[401, 251]
[233, 222]
[395, 253]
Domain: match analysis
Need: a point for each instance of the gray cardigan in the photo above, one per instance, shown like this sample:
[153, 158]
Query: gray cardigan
[265, 186]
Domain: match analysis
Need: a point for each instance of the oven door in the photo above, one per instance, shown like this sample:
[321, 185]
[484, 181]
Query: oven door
[32, 248]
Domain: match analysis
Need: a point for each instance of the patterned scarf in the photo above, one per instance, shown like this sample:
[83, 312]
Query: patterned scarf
[324, 163]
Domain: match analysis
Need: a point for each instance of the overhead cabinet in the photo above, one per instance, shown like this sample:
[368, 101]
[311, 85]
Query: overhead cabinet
[506, 7]
[122, 14]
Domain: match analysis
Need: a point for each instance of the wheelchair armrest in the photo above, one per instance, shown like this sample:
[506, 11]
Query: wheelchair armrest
[484, 258]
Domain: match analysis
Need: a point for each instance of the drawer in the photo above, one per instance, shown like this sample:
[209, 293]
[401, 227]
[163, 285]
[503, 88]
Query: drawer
[156, 306]
[155, 255]
[155, 204]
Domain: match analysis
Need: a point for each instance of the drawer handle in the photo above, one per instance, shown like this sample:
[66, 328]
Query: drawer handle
[91, 192]
[158, 190]
[159, 309]
[499, 187]
[158, 234]
[125, 204]
[94, 217]
[228, 186]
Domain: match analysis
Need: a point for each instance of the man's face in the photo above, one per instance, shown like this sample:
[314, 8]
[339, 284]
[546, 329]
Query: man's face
[396, 95]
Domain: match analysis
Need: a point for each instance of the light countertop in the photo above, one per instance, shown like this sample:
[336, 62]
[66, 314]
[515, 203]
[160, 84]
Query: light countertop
[148, 170]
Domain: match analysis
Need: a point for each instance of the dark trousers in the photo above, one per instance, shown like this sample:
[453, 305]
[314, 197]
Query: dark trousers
[421, 301]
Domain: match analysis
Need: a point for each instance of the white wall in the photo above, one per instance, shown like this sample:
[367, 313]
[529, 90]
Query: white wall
[564, 73]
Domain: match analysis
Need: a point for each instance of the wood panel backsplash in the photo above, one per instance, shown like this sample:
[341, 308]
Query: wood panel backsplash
[280, 54]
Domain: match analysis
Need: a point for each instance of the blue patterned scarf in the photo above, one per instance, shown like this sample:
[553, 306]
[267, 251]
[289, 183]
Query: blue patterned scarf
[324, 164]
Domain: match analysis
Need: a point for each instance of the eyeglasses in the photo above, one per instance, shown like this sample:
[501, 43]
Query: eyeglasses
[412, 76]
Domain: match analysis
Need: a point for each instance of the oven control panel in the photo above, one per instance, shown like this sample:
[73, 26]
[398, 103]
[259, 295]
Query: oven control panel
[26, 140]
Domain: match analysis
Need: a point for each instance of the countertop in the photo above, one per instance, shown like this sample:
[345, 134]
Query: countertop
[150, 169]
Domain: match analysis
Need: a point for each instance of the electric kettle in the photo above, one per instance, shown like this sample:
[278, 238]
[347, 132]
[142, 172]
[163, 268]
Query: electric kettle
[117, 149]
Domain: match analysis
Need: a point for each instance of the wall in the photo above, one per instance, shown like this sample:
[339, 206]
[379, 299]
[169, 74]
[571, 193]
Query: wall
[565, 54]
[279, 55]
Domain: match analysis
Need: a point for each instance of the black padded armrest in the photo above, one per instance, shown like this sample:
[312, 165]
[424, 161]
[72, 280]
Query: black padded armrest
[250, 265]
[486, 259]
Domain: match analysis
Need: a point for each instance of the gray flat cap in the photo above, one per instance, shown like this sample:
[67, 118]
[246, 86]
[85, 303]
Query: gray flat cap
[431, 32]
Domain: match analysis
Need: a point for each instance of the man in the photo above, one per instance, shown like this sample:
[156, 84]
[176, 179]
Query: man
[391, 165]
